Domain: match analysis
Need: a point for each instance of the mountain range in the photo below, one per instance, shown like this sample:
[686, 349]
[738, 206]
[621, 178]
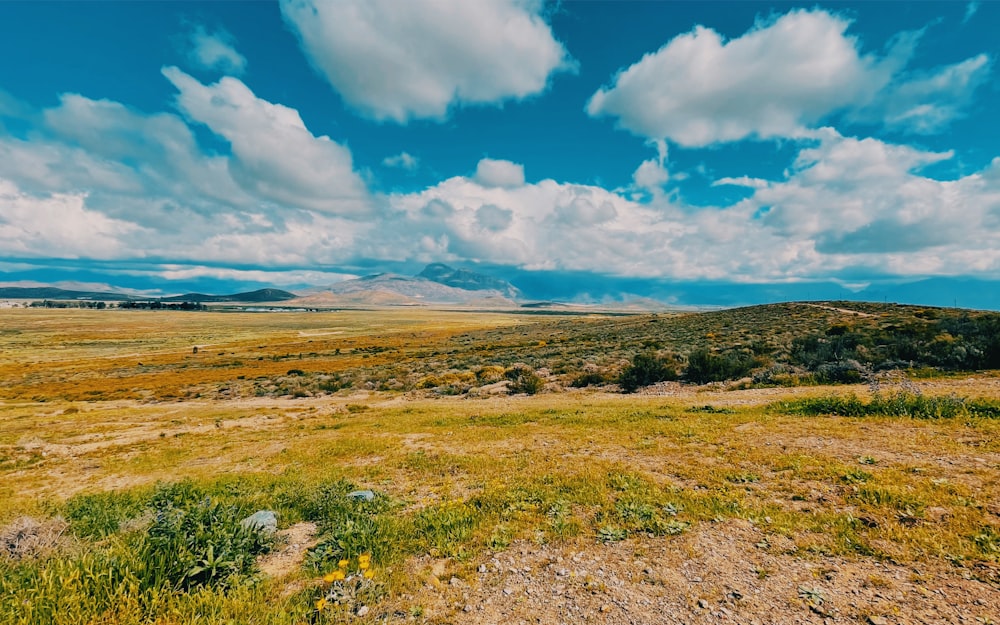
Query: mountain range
[436, 284]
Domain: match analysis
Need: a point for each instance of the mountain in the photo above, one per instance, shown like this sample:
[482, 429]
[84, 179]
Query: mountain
[389, 289]
[260, 295]
[53, 293]
[468, 280]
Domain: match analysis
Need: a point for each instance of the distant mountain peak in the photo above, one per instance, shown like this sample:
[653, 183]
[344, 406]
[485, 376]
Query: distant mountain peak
[468, 280]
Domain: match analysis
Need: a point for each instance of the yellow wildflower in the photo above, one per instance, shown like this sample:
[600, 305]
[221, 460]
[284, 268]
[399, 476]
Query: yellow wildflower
[328, 577]
[321, 604]
[363, 565]
[365, 557]
[338, 575]
[342, 564]
[369, 574]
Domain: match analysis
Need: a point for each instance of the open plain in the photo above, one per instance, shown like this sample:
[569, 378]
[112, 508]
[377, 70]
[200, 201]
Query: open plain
[132, 443]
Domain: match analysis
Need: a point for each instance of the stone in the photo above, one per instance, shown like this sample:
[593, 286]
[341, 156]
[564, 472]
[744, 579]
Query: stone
[361, 495]
[363, 610]
[263, 521]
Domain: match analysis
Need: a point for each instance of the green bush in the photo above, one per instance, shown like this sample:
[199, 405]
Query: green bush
[523, 380]
[201, 545]
[645, 369]
[590, 378]
[705, 366]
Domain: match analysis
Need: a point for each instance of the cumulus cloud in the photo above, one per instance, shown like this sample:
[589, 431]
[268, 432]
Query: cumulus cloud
[398, 61]
[498, 173]
[403, 160]
[274, 155]
[56, 226]
[845, 205]
[864, 203]
[215, 51]
[99, 180]
[780, 79]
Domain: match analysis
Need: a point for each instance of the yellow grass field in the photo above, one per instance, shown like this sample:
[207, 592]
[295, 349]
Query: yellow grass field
[685, 504]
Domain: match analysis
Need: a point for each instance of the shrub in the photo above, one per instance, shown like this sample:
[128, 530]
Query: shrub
[704, 366]
[841, 372]
[645, 369]
[591, 378]
[523, 380]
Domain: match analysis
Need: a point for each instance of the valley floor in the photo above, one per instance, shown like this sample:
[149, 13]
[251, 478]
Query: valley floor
[680, 504]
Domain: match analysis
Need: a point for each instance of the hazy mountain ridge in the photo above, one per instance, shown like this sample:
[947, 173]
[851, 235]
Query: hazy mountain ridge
[397, 290]
[260, 295]
[468, 280]
[54, 293]
[51, 292]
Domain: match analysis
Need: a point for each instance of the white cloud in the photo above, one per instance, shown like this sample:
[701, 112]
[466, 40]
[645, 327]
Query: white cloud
[780, 79]
[215, 51]
[863, 203]
[57, 226]
[168, 161]
[651, 175]
[398, 61]
[970, 10]
[846, 204]
[279, 278]
[742, 181]
[403, 160]
[499, 173]
[926, 102]
[274, 155]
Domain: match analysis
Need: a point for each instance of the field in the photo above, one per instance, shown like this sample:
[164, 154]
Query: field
[132, 443]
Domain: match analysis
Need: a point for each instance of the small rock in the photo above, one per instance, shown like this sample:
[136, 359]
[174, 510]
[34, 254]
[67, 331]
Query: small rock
[508, 591]
[702, 604]
[467, 608]
[454, 581]
[562, 572]
[482, 568]
[937, 514]
[263, 521]
[605, 607]
[878, 620]
[361, 495]
[362, 611]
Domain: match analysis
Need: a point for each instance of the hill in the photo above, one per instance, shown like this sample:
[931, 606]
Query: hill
[53, 293]
[388, 289]
[468, 280]
[260, 295]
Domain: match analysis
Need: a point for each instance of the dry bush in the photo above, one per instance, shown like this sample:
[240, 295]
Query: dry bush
[26, 537]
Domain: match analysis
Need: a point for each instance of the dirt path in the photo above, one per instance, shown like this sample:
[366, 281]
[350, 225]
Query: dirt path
[728, 572]
[844, 311]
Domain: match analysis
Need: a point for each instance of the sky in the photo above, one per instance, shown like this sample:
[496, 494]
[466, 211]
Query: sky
[584, 150]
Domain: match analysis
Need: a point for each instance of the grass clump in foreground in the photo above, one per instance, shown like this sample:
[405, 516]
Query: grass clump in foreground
[895, 404]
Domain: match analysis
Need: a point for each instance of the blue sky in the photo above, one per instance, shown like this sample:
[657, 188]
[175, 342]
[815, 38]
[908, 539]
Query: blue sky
[588, 149]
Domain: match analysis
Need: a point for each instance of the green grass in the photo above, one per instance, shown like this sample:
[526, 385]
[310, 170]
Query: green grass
[894, 404]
